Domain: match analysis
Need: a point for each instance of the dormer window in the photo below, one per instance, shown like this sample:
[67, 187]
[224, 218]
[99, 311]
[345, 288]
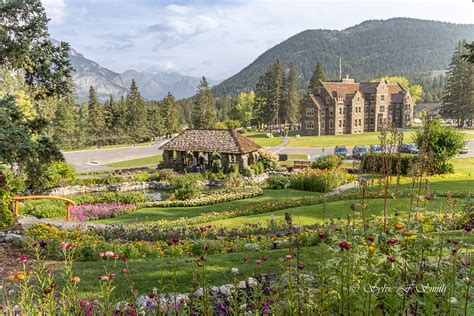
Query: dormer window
[309, 111]
[327, 100]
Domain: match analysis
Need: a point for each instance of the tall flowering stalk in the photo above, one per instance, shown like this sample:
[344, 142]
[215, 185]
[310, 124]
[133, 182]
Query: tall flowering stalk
[69, 293]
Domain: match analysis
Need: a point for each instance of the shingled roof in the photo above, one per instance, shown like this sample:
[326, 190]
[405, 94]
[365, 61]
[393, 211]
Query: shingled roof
[212, 140]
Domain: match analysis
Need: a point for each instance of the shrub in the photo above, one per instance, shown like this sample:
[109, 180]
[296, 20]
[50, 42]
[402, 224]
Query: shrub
[317, 180]
[268, 159]
[372, 163]
[233, 181]
[60, 174]
[110, 197]
[6, 216]
[44, 209]
[141, 177]
[444, 142]
[112, 179]
[167, 174]
[278, 182]
[185, 187]
[258, 168]
[327, 162]
[155, 176]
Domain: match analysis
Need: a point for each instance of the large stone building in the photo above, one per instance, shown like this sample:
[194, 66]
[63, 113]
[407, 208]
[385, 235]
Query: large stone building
[347, 107]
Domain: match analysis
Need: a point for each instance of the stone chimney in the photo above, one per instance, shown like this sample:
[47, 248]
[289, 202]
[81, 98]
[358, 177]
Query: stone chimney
[348, 80]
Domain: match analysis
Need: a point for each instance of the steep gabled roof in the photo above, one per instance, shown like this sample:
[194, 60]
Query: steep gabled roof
[212, 140]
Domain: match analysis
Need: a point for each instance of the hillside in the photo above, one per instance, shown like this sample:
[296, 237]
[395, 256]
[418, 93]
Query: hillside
[398, 46]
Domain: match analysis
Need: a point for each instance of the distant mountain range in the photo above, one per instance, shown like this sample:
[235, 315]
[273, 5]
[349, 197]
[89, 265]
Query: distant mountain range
[375, 48]
[152, 86]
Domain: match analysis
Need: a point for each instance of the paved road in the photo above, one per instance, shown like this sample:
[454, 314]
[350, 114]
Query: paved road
[93, 160]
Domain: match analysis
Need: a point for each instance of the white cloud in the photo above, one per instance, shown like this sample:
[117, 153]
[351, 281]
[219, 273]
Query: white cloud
[179, 9]
[56, 10]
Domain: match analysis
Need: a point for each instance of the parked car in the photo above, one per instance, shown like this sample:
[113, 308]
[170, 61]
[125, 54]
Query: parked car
[465, 150]
[341, 151]
[376, 149]
[408, 149]
[359, 151]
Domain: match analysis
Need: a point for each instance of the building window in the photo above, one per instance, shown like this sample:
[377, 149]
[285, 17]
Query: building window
[309, 124]
[366, 121]
[340, 110]
[355, 122]
[371, 121]
[382, 108]
[382, 97]
[330, 113]
[309, 111]
[372, 98]
[327, 100]
[340, 123]
[360, 122]
[330, 124]
[371, 110]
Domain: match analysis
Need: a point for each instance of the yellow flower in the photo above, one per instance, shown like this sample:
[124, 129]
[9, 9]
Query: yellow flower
[412, 237]
[10, 278]
[371, 249]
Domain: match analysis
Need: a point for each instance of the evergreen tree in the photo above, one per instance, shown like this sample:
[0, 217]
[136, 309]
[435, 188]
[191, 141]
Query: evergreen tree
[96, 117]
[261, 101]
[290, 109]
[65, 124]
[457, 99]
[276, 92]
[83, 126]
[203, 113]
[155, 119]
[318, 74]
[137, 115]
[171, 113]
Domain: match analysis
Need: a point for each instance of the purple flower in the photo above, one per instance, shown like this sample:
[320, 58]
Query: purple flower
[87, 212]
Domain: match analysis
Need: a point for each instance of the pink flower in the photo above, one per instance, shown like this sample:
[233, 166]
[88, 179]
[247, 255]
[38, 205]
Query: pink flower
[101, 254]
[391, 258]
[246, 258]
[103, 278]
[258, 261]
[124, 270]
[322, 235]
[392, 242]
[112, 276]
[108, 254]
[288, 257]
[63, 245]
[23, 258]
[116, 256]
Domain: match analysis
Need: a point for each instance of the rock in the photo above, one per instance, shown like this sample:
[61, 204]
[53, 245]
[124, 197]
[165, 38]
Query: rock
[251, 282]
[199, 292]
[226, 289]
[12, 237]
[242, 285]
[215, 290]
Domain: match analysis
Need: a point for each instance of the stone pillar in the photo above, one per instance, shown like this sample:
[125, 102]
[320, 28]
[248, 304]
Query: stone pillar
[242, 161]
[225, 161]
[180, 160]
[168, 157]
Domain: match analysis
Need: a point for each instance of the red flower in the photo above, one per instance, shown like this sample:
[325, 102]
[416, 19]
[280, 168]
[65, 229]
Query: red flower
[344, 245]
[115, 256]
[392, 241]
[391, 258]
[23, 258]
[265, 258]
[112, 275]
[246, 258]
[258, 261]
[322, 235]
[467, 228]
[124, 270]
[125, 259]
[300, 266]
[206, 247]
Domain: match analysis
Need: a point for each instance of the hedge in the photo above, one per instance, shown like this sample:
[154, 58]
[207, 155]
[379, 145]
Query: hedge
[372, 163]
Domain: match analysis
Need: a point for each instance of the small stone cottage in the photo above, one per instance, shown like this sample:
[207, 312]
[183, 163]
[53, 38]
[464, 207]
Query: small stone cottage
[199, 148]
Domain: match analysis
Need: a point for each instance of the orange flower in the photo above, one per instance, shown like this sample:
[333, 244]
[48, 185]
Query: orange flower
[10, 278]
[399, 226]
[20, 276]
[408, 233]
[76, 280]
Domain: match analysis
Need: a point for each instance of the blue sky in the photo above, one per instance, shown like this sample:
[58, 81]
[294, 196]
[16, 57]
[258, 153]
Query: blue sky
[215, 38]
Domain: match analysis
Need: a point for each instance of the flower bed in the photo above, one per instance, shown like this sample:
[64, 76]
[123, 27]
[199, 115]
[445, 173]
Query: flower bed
[87, 212]
[219, 196]
[318, 180]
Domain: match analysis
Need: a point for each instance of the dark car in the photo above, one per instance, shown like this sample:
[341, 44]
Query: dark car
[359, 151]
[408, 149]
[376, 149]
[341, 151]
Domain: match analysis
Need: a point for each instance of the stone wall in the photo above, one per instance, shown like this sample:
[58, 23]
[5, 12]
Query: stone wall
[122, 187]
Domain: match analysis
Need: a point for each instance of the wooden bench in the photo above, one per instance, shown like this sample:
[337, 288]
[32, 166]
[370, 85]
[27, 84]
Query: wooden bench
[301, 164]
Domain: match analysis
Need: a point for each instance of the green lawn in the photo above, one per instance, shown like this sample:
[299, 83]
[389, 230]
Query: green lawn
[261, 139]
[463, 165]
[171, 213]
[150, 160]
[334, 140]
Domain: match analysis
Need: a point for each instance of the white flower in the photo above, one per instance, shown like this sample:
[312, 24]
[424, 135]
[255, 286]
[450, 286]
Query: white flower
[234, 270]
[452, 300]
[252, 281]
[226, 289]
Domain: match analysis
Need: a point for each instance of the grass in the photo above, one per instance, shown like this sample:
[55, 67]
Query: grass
[171, 213]
[150, 160]
[150, 273]
[463, 165]
[261, 139]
